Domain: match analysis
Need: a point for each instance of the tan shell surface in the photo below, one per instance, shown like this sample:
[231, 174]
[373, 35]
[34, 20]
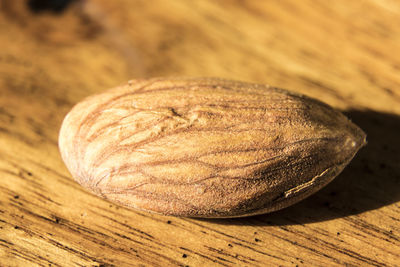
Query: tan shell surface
[205, 147]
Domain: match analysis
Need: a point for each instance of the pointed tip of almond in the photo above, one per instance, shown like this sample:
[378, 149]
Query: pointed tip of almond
[357, 137]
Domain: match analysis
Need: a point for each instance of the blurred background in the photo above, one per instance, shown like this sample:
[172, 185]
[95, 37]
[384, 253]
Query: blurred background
[340, 50]
[53, 53]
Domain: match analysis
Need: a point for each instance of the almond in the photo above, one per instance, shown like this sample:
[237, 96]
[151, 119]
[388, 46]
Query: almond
[205, 147]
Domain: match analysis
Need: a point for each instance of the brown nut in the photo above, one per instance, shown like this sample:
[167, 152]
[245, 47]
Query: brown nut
[205, 147]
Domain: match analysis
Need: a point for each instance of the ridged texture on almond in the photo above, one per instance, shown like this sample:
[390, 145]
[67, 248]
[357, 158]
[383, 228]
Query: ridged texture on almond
[205, 147]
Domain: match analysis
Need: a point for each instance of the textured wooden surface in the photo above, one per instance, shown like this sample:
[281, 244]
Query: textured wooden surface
[344, 53]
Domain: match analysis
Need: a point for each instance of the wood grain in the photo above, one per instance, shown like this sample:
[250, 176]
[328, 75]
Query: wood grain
[343, 53]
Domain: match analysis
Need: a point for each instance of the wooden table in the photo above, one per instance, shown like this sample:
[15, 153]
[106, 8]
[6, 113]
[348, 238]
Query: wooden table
[345, 53]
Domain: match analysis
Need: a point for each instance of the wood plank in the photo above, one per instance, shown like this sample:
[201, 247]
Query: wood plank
[344, 53]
